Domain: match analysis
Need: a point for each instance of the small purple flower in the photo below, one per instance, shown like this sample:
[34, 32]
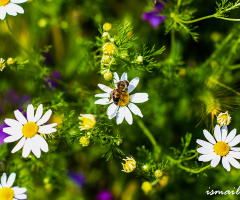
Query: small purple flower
[153, 17]
[77, 178]
[2, 134]
[50, 82]
[104, 195]
[14, 98]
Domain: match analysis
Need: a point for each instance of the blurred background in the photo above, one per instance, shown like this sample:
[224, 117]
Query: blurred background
[187, 89]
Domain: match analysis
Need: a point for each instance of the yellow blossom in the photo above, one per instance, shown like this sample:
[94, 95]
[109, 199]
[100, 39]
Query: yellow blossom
[107, 75]
[146, 187]
[84, 141]
[10, 61]
[130, 165]
[88, 121]
[224, 119]
[158, 173]
[2, 64]
[108, 48]
[107, 26]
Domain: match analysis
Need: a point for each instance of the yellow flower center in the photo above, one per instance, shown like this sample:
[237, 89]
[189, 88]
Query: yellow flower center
[109, 48]
[221, 148]
[224, 119]
[4, 2]
[29, 129]
[124, 100]
[6, 193]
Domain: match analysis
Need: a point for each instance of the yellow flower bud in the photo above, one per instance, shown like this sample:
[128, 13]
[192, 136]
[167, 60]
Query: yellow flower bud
[84, 141]
[158, 173]
[130, 165]
[107, 26]
[88, 121]
[2, 64]
[10, 61]
[224, 119]
[146, 187]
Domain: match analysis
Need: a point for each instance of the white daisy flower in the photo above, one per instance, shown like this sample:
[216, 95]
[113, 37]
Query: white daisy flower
[121, 110]
[10, 7]
[222, 146]
[27, 129]
[7, 192]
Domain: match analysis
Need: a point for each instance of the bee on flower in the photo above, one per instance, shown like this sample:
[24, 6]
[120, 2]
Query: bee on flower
[10, 7]
[88, 121]
[26, 130]
[129, 165]
[120, 100]
[224, 119]
[223, 146]
[7, 192]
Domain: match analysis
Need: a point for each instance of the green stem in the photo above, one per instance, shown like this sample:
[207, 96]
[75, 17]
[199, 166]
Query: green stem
[195, 20]
[229, 19]
[15, 38]
[194, 171]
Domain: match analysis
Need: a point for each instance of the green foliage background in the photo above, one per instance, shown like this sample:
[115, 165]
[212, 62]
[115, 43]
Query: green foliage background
[189, 83]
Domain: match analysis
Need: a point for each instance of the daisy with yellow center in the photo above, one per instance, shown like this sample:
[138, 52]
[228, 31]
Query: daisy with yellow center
[126, 102]
[129, 165]
[27, 131]
[88, 121]
[10, 7]
[223, 146]
[108, 48]
[224, 119]
[8, 193]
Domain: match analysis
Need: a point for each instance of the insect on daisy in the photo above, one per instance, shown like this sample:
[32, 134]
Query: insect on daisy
[7, 192]
[10, 7]
[27, 129]
[223, 146]
[120, 99]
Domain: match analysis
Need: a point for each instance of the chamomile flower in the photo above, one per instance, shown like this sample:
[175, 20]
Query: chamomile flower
[223, 146]
[88, 121]
[10, 7]
[121, 109]
[7, 192]
[224, 119]
[27, 129]
[129, 165]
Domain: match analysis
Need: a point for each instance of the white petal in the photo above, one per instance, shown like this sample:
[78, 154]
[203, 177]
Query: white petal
[128, 115]
[13, 123]
[231, 135]
[135, 109]
[0, 186]
[233, 162]
[224, 133]
[105, 88]
[124, 76]
[206, 157]
[234, 154]
[9, 8]
[208, 136]
[12, 131]
[116, 77]
[42, 143]
[205, 144]
[4, 180]
[47, 129]
[19, 116]
[27, 148]
[139, 97]
[235, 141]
[35, 147]
[19, 145]
[11, 180]
[15, 8]
[105, 95]
[13, 138]
[133, 84]
[104, 101]
[204, 150]
[18, 190]
[225, 163]
[2, 12]
[216, 159]
[113, 115]
[45, 117]
[120, 115]
[18, 1]
[39, 113]
[217, 133]
[21, 196]
[235, 148]
[30, 113]
[112, 109]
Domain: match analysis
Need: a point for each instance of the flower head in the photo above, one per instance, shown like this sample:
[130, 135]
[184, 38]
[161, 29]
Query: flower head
[129, 165]
[108, 48]
[10, 7]
[2, 62]
[146, 186]
[88, 121]
[10, 61]
[27, 130]
[107, 26]
[158, 173]
[153, 17]
[84, 141]
[224, 119]
[7, 192]
[126, 101]
[222, 146]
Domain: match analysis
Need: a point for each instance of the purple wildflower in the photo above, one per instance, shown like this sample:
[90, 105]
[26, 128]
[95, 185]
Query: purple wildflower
[50, 82]
[104, 195]
[153, 16]
[77, 178]
[2, 134]
[14, 98]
